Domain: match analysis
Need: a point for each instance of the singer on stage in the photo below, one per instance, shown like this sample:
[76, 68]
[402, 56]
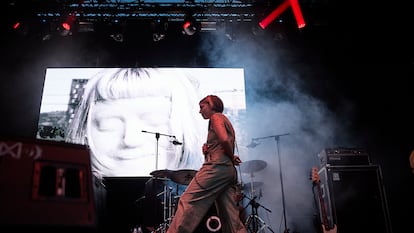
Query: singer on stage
[216, 181]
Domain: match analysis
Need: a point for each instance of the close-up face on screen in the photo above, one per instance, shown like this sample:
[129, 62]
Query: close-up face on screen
[137, 120]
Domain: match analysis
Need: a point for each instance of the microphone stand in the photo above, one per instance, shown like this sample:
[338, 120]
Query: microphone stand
[277, 137]
[157, 137]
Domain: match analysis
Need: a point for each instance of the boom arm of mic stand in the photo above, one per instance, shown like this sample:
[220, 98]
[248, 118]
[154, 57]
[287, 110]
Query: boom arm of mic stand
[271, 136]
[158, 134]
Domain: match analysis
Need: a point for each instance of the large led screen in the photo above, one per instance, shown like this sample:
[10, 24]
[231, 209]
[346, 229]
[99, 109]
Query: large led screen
[137, 121]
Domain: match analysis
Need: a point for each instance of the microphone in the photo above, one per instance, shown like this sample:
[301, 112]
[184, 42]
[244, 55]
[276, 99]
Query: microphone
[175, 142]
[252, 144]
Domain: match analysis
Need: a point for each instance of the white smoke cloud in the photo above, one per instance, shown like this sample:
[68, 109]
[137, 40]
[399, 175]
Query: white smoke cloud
[278, 103]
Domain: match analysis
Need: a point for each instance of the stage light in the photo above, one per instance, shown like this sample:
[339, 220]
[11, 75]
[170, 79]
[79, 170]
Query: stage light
[118, 37]
[67, 27]
[298, 13]
[16, 25]
[21, 27]
[229, 31]
[190, 26]
[280, 9]
[274, 14]
[116, 30]
[159, 29]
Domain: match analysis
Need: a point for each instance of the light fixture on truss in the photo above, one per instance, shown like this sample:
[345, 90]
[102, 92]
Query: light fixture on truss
[190, 25]
[159, 27]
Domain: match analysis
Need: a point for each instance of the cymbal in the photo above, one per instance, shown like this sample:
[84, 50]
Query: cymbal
[161, 173]
[252, 166]
[183, 176]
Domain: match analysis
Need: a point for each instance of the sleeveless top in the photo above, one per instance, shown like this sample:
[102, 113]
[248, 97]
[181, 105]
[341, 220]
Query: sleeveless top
[214, 146]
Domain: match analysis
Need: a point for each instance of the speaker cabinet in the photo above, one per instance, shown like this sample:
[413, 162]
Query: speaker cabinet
[355, 198]
[45, 184]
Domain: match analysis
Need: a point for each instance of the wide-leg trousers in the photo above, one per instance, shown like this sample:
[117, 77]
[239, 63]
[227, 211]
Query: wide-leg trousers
[215, 182]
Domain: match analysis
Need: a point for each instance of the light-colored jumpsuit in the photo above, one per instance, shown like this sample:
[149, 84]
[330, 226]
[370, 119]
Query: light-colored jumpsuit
[214, 183]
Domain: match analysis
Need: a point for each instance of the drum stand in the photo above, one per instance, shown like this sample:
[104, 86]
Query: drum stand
[169, 195]
[254, 223]
[168, 203]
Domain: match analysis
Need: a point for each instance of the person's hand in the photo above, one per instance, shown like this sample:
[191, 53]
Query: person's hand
[236, 160]
[204, 148]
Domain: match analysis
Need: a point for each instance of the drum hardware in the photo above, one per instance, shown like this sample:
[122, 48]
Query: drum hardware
[168, 209]
[213, 223]
[252, 187]
[168, 203]
[254, 223]
[169, 196]
[210, 222]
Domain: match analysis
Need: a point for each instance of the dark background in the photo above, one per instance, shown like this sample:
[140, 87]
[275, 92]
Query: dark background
[358, 52]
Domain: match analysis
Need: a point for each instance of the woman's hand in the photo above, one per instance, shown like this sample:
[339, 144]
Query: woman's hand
[204, 148]
[236, 160]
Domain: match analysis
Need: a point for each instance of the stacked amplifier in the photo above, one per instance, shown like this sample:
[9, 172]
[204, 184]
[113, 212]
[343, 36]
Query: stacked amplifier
[353, 194]
[343, 157]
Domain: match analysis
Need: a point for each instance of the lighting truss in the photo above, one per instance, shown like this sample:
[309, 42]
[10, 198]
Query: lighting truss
[90, 10]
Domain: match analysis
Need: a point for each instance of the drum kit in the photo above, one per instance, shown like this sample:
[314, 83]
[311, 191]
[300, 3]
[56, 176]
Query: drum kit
[181, 178]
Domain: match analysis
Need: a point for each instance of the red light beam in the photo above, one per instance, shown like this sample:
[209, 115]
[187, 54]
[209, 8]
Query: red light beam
[280, 9]
[274, 14]
[298, 13]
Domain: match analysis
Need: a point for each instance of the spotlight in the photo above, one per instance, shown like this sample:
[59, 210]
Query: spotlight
[159, 29]
[157, 36]
[67, 26]
[116, 30]
[229, 30]
[118, 37]
[21, 27]
[190, 26]
[16, 25]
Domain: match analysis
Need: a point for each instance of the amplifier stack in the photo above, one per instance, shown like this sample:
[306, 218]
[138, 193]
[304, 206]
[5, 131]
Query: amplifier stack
[353, 191]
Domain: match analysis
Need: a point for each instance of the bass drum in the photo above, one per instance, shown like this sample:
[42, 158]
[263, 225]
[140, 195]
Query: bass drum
[211, 223]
